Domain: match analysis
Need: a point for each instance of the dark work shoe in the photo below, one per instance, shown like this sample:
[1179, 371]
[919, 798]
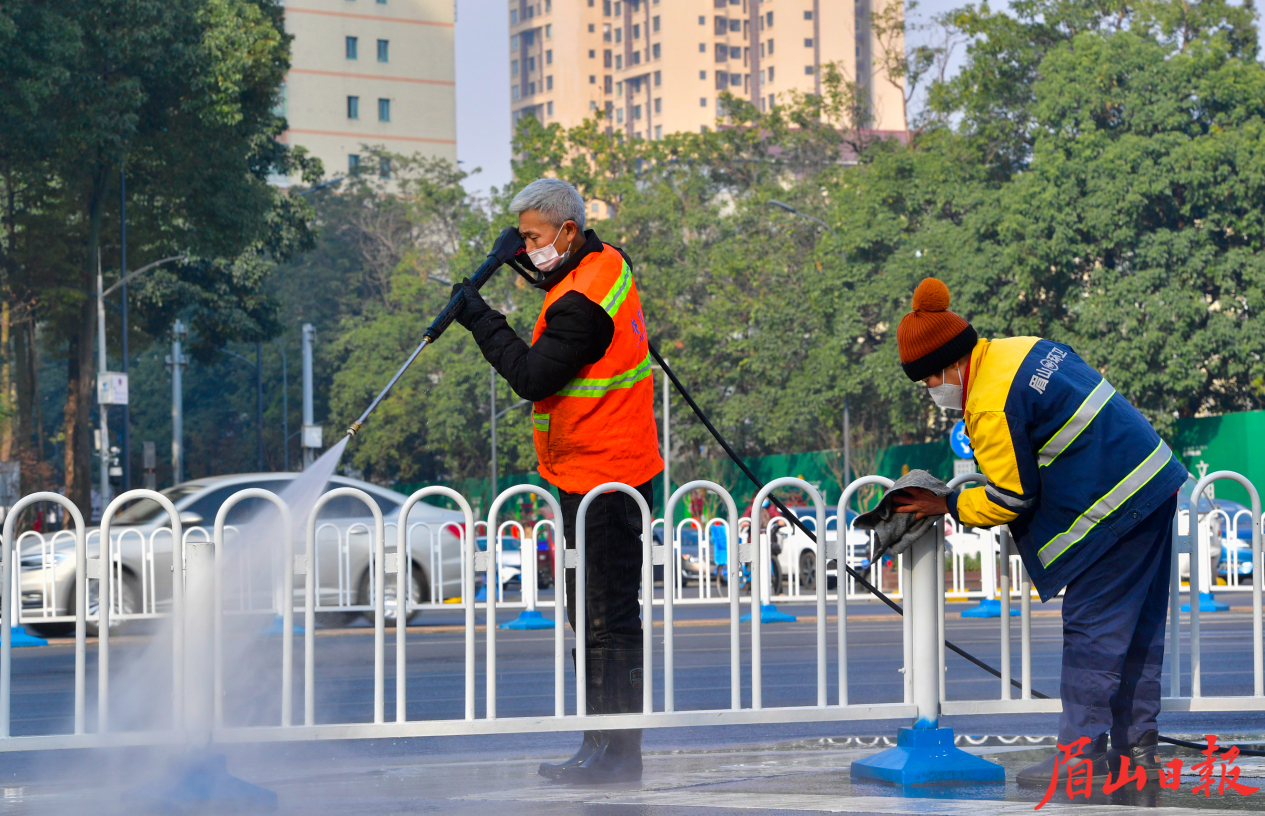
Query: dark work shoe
[1145, 754]
[1039, 775]
[618, 759]
[593, 742]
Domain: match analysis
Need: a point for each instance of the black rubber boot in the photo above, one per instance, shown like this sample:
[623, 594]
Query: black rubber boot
[593, 740]
[1039, 775]
[619, 758]
[1142, 754]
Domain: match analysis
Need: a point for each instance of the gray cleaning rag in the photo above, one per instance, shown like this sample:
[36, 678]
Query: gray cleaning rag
[896, 531]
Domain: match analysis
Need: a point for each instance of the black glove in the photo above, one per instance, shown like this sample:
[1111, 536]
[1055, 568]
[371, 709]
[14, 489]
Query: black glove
[508, 244]
[473, 305]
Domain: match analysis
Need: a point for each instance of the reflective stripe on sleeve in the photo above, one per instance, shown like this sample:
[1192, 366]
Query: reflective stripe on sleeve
[1151, 466]
[1078, 422]
[600, 386]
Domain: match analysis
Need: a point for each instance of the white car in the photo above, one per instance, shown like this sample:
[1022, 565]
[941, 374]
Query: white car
[142, 554]
[798, 551]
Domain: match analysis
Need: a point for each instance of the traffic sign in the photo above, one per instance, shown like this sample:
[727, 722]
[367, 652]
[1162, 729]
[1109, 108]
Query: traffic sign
[959, 441]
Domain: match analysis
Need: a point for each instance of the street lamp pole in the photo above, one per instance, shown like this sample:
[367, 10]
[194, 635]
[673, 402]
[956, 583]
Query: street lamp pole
[495, 416]
[127, 416]
[847, 423]
[285, 408]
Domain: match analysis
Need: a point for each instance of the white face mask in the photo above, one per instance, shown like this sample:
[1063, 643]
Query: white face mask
[546, 259]
[947, 394]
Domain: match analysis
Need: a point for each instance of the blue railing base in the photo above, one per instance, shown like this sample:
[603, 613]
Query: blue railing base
[198, 782]
[1207, 603]
[276, 628]
[528, 619]
[20, 637]
[770, 614]
[989, 608]
[927, 756]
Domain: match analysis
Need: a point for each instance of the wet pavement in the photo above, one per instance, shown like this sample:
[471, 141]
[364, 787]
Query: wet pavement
[464, 775]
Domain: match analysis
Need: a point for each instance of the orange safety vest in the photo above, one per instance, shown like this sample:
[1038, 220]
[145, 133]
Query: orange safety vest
[600, 427]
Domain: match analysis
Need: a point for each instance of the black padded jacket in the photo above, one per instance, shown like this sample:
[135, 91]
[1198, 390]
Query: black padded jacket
[577, 333]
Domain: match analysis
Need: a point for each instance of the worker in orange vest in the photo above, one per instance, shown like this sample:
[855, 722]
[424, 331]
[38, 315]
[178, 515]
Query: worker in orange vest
[587, 371]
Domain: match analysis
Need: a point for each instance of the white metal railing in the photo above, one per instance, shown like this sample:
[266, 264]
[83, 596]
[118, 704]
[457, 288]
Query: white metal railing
[203, 568]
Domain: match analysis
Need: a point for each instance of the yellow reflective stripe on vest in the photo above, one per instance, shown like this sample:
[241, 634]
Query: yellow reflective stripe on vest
[600, 386]
[615, 297]
[541, 421]
[1099, 510]
[1078, 422]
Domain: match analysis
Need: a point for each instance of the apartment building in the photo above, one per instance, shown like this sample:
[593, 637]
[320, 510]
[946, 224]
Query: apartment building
[371, 72]
[659, 66]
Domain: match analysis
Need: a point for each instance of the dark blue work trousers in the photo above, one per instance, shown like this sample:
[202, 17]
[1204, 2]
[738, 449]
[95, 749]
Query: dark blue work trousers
[1113, 635]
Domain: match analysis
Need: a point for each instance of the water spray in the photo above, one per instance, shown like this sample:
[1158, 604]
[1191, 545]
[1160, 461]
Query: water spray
[437, 327]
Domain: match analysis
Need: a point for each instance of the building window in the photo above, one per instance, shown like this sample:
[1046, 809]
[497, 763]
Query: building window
[619, 35]
[592, 28]
[606, 32]
[702, 48]
[735, 25]
[770, 100]
[606, 57]
[636, 58]
[592, 79]
[382, 2]
[735, 53]
[531, 64]
[619, 116]
[808, 42]
[722, 81]
[769, 19]
[548, 6]
[658, 78]
[513, 67]
[658, 105]
[548, 58]
[593, 208]
[549, 108]
[514, 43]
[658, 131]
[592, 104]
[617, 11]
[619, 89]
[384, 53]
[353, 107]
[654, 49]
[770, 73]
[808, 15]
[514, 91]
[548, 31]
[384, 110]
[549, 84]
[592, 53]
[608, 84]
[619, 61]
[808, 69]
[702, 20]
[722, 26]
[702, 103]
[353, 161]
[384, 169]
[637, 32]
[702, 75]
[770, 48]
[513, 16]
[722, 52]
[531, 88]
[351, 48]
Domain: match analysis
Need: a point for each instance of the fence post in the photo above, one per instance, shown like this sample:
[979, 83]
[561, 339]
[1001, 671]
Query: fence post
[924, 753]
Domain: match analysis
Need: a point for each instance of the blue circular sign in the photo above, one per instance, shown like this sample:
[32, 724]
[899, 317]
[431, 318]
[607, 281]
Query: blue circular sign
[960, 442]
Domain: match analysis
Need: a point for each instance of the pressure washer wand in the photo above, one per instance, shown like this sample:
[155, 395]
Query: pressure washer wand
[481, 276]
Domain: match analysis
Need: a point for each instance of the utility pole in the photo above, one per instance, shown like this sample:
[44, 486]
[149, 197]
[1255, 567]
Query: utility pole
[175, 363]
[259, 407]
[847, 447]
[311, 434]
[492, 412]
[102, 408]
[667, 446]
[127, 417]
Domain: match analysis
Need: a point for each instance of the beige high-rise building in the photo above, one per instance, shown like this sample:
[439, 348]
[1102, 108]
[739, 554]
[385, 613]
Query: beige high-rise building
[375, 72]
[659, 66]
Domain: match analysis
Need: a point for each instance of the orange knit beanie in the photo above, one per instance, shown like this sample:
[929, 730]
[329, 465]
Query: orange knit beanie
[931, 338]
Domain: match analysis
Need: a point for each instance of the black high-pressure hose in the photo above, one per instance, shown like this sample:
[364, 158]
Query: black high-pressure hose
[860, 579]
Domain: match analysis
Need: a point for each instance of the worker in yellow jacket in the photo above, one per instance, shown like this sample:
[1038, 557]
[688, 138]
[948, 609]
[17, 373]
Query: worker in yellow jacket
[1088, 490]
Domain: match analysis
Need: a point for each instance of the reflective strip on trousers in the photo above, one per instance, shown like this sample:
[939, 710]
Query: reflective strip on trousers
[615, 297]
[1099, 510]
[600, 386]
[1078, 422]
[541, 421]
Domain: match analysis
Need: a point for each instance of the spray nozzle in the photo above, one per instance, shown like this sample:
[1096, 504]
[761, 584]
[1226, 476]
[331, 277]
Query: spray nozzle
[355, 426]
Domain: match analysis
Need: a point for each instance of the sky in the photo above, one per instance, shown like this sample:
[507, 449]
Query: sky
[483, 101]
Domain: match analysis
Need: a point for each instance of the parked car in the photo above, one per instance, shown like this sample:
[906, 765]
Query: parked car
[144, 563]
[690, 563]
[512, 561]
[797, 549]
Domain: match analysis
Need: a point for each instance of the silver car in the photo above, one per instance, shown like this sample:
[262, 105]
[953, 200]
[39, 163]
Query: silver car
[142, 555]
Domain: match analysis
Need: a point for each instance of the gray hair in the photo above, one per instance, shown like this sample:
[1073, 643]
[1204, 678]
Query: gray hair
[555, 200]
